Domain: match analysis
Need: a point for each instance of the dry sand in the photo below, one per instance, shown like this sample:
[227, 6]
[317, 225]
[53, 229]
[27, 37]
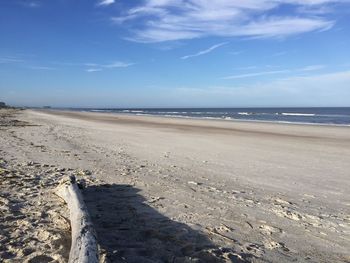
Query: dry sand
[184, 190]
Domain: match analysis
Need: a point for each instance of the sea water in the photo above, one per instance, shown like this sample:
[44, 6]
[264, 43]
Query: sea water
[330, 116]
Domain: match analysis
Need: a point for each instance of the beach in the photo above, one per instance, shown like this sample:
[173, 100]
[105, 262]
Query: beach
[180, 190]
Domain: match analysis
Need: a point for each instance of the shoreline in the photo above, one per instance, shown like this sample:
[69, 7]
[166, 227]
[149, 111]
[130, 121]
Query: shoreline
[136, 113]
[234, 120]
[199, 125]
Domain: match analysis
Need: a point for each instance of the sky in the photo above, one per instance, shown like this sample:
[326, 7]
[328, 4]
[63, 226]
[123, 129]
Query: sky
[175, 53]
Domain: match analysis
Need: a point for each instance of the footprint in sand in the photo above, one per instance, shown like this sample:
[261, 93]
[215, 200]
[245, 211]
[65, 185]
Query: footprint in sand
[286, 209]
[269, 230]
[288, 213]
[280, 201]
[270, 244]
[253, 249]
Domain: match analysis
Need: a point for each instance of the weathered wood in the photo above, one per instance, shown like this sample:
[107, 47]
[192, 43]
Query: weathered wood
[84, 244]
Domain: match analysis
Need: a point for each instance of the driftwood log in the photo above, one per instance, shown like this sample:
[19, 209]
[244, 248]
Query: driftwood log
[84, 244]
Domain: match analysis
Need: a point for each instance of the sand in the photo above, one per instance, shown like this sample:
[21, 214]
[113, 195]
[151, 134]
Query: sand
[186, 190]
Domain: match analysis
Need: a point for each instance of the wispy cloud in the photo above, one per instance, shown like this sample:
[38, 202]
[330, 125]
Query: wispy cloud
[67, 64]
[118, 64]
[256, 74]
[41, 68]
[88, 67]
[31, 4]
[93, 67]
[168, 20]
[246, 68]
[9, 60]
[105, 2]
[22, 63]
[315, 10]
[205, 51]
[273, 72]
[313, 67]
[278, 54]
[235, 53]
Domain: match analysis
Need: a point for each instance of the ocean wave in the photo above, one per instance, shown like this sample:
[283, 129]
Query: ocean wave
[171, 112]
[333, 115]
[207, 112]
[312, 116]
[298, 114]
[132, 111]
[100, 110]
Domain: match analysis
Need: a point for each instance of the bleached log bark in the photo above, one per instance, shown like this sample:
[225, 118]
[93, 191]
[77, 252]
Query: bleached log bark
[84, 244]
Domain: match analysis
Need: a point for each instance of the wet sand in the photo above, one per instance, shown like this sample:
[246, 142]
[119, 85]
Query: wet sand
[176, 190]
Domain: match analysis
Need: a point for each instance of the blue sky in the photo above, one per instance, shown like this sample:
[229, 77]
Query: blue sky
[175, 53]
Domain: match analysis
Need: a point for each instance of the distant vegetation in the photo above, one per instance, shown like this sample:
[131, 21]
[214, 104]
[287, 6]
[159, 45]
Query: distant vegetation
[3, 105]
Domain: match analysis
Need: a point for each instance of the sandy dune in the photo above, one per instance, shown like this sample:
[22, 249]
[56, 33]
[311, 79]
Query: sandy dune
[183, 190]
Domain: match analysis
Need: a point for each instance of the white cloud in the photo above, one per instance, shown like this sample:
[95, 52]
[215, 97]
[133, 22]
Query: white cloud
[166, 20]
[206, 51]
[105, 2]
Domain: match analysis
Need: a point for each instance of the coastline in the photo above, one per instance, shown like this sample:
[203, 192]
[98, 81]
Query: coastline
[215, 125]
[195, 118]
[234, 120]
[311, 116]
[202, 189]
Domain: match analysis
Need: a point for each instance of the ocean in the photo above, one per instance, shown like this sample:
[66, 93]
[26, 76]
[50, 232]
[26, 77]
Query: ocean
[326, 116]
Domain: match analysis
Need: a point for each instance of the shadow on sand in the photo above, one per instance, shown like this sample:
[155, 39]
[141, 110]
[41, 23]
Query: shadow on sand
[131, 231]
